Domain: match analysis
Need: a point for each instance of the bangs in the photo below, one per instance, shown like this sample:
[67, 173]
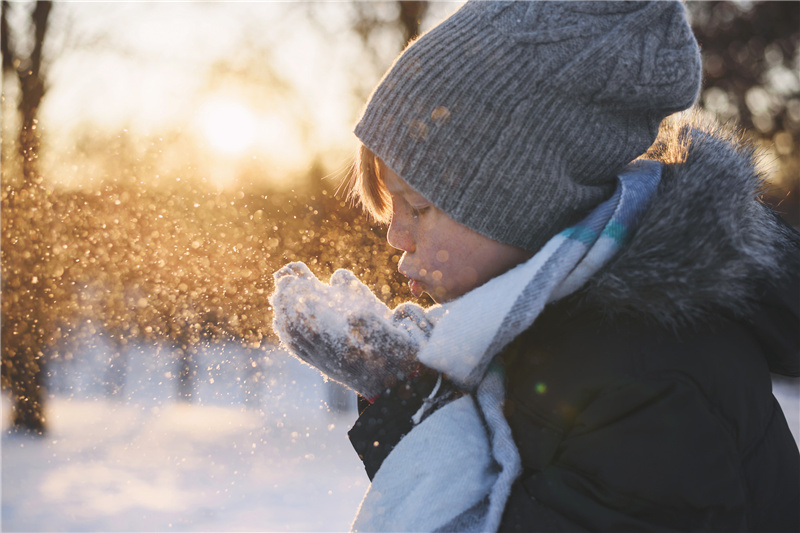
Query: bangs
[365, 187]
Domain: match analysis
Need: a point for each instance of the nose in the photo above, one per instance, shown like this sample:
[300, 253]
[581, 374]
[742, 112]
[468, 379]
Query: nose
[399, 235]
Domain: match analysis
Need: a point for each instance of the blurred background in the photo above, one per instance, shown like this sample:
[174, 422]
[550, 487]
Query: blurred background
[159, 162]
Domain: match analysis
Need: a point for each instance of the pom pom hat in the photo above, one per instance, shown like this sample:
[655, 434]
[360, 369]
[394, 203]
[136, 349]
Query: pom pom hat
[514, 117]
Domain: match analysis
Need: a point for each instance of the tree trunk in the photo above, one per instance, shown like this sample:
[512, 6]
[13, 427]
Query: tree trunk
[24, 314]
[25, 252]
[187, 368]
[411, 14]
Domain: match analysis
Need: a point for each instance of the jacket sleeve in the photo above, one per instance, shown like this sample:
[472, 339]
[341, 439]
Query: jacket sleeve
[649, 454]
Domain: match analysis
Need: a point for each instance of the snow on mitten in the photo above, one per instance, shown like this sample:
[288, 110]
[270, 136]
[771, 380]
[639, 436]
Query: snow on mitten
[344, 331]
[415, 320]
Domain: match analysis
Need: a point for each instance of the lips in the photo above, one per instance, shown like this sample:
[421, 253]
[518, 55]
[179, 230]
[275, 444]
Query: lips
[416, 287]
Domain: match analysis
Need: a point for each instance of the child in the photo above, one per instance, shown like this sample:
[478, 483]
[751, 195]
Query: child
[611, 296]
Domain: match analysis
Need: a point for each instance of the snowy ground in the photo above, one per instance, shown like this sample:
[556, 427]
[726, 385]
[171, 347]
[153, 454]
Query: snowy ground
[150, 463]
[269, 456]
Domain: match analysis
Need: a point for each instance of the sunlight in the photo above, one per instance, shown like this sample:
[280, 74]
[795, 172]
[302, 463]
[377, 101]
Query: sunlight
[228, 126]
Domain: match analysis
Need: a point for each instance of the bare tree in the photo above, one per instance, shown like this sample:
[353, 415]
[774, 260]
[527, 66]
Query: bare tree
[371, 19]
[411, 15]
[27, 286]
[750, 56]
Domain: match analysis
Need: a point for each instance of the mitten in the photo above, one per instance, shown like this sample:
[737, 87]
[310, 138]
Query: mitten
[346, 332]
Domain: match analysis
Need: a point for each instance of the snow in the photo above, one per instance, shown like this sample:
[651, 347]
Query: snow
[245, 455]
[147, 462]
[344, 330]
[302, 301]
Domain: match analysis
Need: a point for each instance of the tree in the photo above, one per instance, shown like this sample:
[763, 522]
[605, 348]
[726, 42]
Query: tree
[25, 254]
[750, 55]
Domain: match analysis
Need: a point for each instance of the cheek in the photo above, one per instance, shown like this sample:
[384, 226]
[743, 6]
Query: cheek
[451, 277]
[453, 264]
[467, 276]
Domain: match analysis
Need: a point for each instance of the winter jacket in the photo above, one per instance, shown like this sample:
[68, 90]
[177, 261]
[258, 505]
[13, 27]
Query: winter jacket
[643, 402]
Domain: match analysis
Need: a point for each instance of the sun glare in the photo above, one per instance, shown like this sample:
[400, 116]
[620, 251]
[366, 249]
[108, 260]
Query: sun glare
[228, 126]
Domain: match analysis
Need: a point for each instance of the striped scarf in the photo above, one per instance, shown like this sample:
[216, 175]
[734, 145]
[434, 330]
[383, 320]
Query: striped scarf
[469, 332]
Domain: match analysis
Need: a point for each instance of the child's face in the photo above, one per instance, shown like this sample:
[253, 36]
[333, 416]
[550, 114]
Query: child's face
[441, 257]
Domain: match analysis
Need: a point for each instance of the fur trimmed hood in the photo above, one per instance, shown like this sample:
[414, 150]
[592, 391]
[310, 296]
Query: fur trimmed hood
[707, 245]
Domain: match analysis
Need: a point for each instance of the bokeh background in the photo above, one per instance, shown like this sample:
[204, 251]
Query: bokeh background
[160, 160]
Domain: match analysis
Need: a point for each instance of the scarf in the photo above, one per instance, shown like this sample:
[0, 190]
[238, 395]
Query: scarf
[455, 469]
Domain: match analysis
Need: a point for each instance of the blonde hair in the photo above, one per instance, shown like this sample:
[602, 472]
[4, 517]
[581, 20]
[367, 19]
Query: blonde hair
[364, 186]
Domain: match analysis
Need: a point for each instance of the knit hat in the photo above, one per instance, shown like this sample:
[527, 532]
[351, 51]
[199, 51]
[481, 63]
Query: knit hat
[514, 117]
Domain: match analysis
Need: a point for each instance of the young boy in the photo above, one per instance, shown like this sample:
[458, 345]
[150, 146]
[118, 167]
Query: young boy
[600, 356]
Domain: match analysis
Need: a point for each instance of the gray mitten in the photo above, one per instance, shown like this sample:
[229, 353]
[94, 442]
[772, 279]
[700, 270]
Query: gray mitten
[344, 331]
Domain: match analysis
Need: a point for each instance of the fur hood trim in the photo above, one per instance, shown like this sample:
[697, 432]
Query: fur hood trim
[707, 242]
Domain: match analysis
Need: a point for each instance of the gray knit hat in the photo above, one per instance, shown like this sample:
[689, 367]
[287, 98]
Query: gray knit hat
[514, 117]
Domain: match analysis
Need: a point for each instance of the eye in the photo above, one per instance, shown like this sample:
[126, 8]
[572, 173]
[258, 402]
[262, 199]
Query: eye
[417, 212]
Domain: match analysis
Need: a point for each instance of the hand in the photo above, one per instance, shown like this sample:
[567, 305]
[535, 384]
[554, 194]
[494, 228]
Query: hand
[416, 320]
[344, 331]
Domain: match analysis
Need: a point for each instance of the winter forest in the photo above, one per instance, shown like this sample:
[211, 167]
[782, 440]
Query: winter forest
[159, 162]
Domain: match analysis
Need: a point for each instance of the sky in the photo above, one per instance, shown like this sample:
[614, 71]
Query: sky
[150, 67]
[277, 82]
